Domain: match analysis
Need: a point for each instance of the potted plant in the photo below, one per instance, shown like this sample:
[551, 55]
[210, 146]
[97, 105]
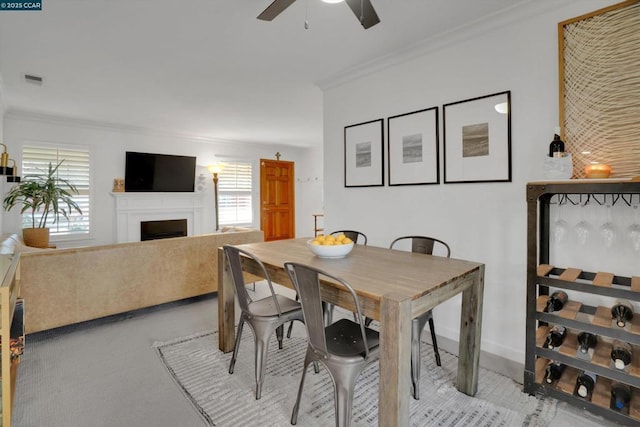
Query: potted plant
[44, 194]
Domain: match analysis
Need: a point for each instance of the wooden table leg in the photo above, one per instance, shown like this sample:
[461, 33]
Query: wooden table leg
[470, 328]
[226, 306]
[395, 361]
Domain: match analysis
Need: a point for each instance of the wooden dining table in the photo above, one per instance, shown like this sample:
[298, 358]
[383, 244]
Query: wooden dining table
[393, 287]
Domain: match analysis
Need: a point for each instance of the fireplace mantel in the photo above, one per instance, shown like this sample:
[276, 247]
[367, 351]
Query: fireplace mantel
[133, 207]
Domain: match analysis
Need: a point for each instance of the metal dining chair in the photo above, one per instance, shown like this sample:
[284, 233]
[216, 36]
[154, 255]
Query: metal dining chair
[423, 245]
[263, 316]
[344, 348]
[357, 237]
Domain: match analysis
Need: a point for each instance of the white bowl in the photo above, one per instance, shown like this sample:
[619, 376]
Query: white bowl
[330, 251]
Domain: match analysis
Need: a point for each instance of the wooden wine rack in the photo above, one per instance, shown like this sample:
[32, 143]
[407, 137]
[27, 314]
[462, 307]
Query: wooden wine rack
[575, 316]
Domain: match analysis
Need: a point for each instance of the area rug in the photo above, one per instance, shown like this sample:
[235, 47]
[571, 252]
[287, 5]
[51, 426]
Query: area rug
[201, 372]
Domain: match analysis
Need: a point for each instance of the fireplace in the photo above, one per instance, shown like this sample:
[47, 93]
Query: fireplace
[164, 229]
[134, 208]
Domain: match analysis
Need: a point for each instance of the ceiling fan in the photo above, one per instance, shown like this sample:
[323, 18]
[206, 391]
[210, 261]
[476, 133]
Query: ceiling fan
[363, 9]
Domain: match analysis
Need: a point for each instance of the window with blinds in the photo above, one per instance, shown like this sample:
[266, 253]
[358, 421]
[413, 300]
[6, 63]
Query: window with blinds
[234, 194]
[75, 168]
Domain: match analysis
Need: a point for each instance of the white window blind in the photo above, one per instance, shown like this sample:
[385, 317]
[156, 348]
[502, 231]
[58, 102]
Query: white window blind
[234, 194]
[76, 169]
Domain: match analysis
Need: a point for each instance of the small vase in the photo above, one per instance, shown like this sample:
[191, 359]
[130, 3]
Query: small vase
[36, 237]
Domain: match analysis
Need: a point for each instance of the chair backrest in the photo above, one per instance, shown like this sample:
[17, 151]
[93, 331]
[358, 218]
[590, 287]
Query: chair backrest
[234, 262]
[306, 280]
[353, 235]
[422, 244]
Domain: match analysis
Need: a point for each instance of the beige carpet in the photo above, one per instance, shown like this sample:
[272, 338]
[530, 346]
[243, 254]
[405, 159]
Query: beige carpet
[201, 372]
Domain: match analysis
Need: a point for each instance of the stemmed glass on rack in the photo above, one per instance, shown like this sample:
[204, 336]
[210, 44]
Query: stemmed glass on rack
[608, 230]
[633, 231]
[560, 226]
[583, 228]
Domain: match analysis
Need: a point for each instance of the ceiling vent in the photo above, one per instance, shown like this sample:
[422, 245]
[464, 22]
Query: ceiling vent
[33, 79]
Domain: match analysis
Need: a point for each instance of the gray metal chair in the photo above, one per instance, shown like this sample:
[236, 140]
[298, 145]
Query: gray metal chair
[357, 237]
[423, 245]
[263, 316]
[328, 313]
[345, 347]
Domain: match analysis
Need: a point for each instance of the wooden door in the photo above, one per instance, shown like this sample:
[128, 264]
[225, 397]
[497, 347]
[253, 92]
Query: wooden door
[277, 199]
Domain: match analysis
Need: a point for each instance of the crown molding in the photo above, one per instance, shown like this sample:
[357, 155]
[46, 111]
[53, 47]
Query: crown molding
[38, 116]
[519, 11]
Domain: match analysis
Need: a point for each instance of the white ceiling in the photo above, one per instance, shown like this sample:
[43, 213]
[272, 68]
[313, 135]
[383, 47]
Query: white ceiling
[207, 68]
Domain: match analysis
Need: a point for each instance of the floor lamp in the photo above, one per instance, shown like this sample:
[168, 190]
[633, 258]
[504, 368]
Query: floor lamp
[215, 170]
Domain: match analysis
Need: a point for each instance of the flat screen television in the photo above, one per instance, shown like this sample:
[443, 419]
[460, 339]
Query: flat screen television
[159, 172]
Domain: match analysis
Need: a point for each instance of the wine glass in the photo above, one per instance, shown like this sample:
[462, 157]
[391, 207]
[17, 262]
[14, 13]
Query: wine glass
[633, 231]
[560, 226]
[608, 230]
[583, 228]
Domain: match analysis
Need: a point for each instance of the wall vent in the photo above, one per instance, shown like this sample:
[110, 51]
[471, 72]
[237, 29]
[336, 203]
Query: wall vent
[33, 79]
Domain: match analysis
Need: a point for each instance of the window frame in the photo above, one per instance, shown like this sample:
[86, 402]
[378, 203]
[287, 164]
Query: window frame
[249, 193]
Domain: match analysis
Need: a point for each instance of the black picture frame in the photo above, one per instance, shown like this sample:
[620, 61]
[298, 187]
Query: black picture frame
[413, 148]
[477, 139]
[364, 154]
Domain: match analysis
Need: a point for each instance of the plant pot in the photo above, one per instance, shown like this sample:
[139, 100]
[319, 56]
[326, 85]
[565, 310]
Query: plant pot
[36, 237]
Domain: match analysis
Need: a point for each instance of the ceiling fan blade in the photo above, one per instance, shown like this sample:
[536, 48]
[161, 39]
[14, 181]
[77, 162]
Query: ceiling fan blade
[364, 11]
[275, 9]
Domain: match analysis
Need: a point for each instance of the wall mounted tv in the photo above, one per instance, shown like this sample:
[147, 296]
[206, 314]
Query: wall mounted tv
[159, 172]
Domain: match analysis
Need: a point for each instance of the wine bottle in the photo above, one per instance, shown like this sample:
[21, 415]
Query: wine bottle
[554, 371]
[622, 312]
[556, 301]
[620, 396]
[556, 148]
[555, 336]
[585, 383]
[621, 354]
[586, 340]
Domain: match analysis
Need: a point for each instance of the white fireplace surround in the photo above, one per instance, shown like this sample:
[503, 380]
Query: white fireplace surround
[132, 208]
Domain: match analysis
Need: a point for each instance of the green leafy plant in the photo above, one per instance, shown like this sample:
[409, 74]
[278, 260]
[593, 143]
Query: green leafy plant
[44, 194]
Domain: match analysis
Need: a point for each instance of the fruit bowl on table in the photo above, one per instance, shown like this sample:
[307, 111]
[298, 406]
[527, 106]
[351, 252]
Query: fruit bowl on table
[330, 251]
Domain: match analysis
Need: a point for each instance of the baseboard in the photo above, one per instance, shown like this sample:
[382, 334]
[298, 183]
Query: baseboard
[490, 361]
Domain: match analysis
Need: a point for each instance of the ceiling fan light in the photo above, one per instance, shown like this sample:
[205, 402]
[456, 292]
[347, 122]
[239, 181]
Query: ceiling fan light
[333, 1]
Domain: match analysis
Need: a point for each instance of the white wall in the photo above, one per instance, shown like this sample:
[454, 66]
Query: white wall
[109, 143]
[483, 222]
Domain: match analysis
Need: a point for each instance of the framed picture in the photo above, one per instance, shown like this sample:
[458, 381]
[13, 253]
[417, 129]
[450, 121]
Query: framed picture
[477, 139]
[364, 154]
[413, 148]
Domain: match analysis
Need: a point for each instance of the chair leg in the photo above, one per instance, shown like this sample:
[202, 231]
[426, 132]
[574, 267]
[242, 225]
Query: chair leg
[262, 347]
[434, 341]
[344, 384]
[236, 346]
[290, 329]
[296, 407]
[280, 335]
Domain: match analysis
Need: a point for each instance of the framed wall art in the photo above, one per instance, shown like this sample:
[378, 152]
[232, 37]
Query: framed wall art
[477, 139]
[364, 154]
[413, 148]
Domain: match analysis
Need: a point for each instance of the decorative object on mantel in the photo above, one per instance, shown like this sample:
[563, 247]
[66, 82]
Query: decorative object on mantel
[599, 91]
[597, 170]
[43, 194]
[215, 170]
[118, 185]
[558, 164]
[477, 139]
